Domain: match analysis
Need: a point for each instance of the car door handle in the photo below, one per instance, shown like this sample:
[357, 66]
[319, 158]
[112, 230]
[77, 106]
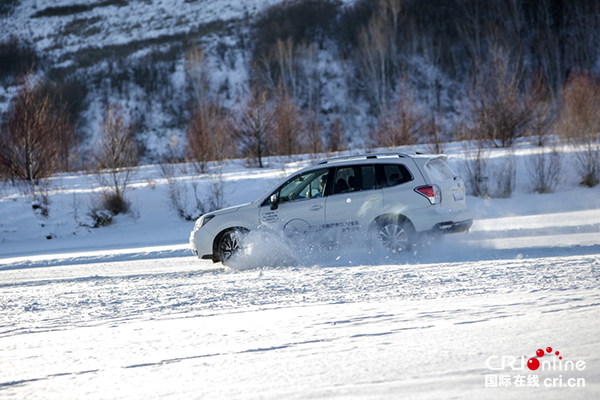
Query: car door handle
[315, 207]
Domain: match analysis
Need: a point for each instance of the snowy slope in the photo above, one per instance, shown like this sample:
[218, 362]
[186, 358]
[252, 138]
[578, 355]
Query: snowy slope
[101, 43]
[126, 312]
[108, 23]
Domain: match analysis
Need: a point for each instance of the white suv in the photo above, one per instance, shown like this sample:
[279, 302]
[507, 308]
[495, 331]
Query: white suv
[392, 197]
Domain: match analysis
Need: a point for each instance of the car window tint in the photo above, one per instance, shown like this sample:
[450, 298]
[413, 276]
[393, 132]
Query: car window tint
[343, 177]
[354, 178]
[368, 177]
[392, 174]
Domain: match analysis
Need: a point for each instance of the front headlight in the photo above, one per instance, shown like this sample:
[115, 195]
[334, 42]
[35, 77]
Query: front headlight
[200, 222]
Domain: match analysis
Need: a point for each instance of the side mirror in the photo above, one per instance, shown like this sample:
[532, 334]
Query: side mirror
[274, 201]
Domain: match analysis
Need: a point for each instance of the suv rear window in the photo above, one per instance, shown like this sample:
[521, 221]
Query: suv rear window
[391, 174]
[438, 170]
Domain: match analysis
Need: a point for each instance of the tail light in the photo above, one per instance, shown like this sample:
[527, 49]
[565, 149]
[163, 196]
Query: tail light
[432, 192]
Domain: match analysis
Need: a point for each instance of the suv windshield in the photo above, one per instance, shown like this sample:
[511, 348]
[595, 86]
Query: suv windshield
[304, 186]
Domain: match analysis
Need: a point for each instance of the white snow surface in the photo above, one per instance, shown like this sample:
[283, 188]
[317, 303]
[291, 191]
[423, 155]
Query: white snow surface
[125, 311]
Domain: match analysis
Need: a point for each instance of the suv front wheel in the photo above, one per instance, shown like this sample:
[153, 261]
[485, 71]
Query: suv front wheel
[230, 244]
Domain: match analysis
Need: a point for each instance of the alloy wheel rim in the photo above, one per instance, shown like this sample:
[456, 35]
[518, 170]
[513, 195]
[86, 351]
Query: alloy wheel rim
[229, 246]
[394, 238]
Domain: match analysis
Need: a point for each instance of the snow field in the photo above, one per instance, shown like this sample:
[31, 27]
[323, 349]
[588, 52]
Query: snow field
[126, 312]
[323, 332]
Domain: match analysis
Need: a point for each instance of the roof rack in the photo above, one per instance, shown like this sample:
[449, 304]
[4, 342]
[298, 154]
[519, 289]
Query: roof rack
[367, 156]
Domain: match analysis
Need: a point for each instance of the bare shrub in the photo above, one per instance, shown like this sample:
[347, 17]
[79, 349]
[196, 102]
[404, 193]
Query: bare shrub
[178, 194]
[116, 155]
[505, 176]
[579, 123]
[40, 198]
[115, 203]
[76, 204]
[216, 188]
[544, 170]
[475, 167]
[180, 198]
[100, 217]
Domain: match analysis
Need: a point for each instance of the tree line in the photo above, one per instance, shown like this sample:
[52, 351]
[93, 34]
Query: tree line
[521, 67]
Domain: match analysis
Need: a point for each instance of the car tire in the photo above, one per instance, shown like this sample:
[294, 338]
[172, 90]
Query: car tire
[396, 236]
[230, 244]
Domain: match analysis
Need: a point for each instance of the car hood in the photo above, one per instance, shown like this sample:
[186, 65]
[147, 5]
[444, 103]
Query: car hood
[228, 210]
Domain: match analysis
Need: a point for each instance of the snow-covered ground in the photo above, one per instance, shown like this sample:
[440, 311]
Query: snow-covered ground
[125, 311]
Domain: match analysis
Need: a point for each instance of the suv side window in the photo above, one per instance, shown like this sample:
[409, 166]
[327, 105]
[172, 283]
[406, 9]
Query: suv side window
[392, 175]
[354, 178]
[305, 186]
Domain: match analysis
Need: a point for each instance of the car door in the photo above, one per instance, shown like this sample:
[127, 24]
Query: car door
[354, 203]
[297, 208]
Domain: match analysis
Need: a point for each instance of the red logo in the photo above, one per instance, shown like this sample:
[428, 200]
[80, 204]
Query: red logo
[533, 363]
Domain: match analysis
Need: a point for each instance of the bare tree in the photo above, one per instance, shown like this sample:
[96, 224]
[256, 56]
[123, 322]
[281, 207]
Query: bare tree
[288, 125]
[253, 125]
[206, 134]
[435, 134]
[313, 134]
[498, 107]
[336, 138]
[579, 123]
[541, 104]
[400, 124]
[196, 73]
[547, 45]
[283, 52]
[470, 31]
[67, 142]
[116, 155]
[309, 76]
[374, 60]
[32, 136]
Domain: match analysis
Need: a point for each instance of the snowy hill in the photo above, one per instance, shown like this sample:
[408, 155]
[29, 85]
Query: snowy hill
[133, 53]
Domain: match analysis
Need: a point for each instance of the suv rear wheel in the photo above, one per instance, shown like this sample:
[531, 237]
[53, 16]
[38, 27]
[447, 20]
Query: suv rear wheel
[397, 236]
